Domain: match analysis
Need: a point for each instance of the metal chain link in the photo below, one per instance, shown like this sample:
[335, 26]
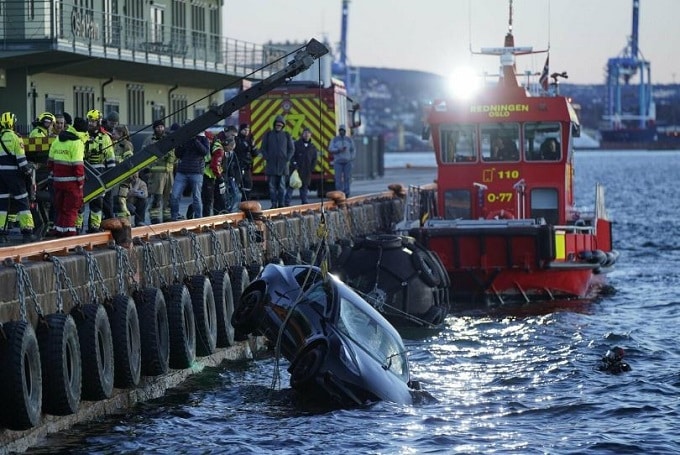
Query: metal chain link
[174, 258]
[21, 283]
[60, 272]
[252, 241]
[217, 249]
[178, 257]
[124, 268]
[95, 276]
[199, 258]
[151, 265]
[237, 246]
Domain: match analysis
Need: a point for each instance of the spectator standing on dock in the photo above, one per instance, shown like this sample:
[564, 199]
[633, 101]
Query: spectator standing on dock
[13, 171]
[137, 199]
[190, 169]
[100, 155]
[123, 149]
[43, 125]
[161, 178]
[65, 161]
[233, 179]
[277, 149]
[245, 153]
[343, 151]
[304, 160]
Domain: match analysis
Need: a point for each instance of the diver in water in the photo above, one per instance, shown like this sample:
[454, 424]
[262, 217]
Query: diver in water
[612, 362]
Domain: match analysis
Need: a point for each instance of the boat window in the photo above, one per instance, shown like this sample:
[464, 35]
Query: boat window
[544, 204]
[457, 204]
[500, 142]
[458, 144]
[371, 336]
[542, 141]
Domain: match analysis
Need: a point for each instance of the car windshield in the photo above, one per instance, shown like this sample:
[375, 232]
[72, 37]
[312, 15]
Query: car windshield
[371, 336]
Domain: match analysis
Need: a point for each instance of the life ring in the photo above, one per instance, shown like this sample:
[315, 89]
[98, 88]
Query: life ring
[307, 364]
[61, 364]
[153, 323]
[224, 307]
[203, 302]
[427, 269]
[501, 214]
[96, 350]
[181, 326]
[21, 379]
[245, 316]
[127, 350]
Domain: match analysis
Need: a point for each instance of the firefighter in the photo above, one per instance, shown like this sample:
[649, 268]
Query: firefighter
[13, 171]
[213, 180]
[43, 126]
[100, 155]
[65, 162]
[122, 149]
[161, 178]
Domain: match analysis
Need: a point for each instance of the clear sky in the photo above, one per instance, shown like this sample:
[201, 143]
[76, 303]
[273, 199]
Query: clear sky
[435, 35]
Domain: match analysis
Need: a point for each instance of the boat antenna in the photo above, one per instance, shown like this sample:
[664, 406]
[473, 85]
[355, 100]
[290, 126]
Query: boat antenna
[510, 18]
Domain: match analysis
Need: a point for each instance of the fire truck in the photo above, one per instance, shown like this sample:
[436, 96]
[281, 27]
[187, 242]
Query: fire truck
[320, 106]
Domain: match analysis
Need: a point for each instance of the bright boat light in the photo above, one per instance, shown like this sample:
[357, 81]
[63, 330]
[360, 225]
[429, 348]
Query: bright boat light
[464, 83]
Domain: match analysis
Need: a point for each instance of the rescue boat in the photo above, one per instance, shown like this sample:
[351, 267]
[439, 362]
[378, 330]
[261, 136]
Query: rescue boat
[502, 216]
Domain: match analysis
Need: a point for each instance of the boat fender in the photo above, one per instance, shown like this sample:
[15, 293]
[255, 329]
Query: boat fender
[61, 364]
[127, 356]
[599, 257]
[181, 326]
[428, 270]
[21, 379]
[154, 331]
[224, 307]
[96, 350]
[203, 302]
[384, 241]
[501, 214]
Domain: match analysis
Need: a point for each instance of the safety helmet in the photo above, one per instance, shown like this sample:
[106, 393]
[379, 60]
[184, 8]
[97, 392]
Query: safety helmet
[7, 120]
[46, 116]
[94, 114]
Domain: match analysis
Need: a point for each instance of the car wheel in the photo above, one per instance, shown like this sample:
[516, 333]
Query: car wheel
[307, 364]
[248, 313]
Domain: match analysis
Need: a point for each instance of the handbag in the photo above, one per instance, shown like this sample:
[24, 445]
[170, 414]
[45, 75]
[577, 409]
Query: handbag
[295, 181]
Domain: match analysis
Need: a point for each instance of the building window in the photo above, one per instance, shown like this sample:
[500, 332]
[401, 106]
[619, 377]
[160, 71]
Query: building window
[214, 38]
[179, 108]
[179, 25]
[157, 112]
[83, 100]
[157, 33]
[54, 105]
[111, 106]
[198, 30]
[133, 12]
[457, 204]
[544, 204]
[135, 102]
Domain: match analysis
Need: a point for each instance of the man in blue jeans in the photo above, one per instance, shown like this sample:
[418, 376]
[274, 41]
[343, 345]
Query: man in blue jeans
[343, 151]
[190, 169]
[277, 149]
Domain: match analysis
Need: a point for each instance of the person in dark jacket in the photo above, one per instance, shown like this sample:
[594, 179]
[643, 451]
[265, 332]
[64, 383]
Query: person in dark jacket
[190, 169]
[277, 149]
[245, 153]
[304, 160]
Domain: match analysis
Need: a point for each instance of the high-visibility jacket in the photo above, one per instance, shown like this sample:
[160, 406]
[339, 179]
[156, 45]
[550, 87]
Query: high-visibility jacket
[39, 131]
[12, 156]
[213, 162]
[99, 151]
[164, 164]
[66, 157]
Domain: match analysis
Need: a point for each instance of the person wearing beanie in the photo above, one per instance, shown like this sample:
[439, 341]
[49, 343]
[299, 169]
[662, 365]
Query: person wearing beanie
[160, 178]
[65, 162]
[245, 152]
[304, 159]
[277, 149]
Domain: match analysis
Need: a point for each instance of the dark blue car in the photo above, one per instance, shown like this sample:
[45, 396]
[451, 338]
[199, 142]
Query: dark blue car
[339, 347]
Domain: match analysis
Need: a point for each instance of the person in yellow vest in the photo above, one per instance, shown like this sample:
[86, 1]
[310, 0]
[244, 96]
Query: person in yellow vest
[123, 149]
[160, 179]
[43, 126]
[99, 154]
[213, 180]
[13, 171]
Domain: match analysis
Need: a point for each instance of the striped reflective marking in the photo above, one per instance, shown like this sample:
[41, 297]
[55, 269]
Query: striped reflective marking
[303, 111]
[37, 144]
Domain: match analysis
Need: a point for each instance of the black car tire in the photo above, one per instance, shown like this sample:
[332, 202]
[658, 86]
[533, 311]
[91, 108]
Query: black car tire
[307, 364]
[127, 350]
[224, 307]
[384, 241]
[181, 326]
[96, 350]
[204, 314]
[245, 317]
[153, 322]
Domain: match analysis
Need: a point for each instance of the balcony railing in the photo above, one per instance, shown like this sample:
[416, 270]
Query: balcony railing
[64, 26]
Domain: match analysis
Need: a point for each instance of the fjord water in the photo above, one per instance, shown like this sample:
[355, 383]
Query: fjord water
[501, 382]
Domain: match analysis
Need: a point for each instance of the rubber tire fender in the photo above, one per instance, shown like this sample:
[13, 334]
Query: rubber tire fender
[245, 318]
[127, 348]
[62, 373]
[205, 318]
[21, 378]
[239, 283]
[224, 307]
[181, 326]
[306, 365]
[96, 350]
[154, 331]
[384, 241]
[427, 269]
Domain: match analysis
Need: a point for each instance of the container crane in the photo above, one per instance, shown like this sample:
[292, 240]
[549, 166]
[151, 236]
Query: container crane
[341, 66]
[623, 123]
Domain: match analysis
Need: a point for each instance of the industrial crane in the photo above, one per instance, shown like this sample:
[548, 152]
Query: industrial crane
[624, 123]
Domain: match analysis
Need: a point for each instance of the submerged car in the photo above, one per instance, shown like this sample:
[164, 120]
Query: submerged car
[339, 347]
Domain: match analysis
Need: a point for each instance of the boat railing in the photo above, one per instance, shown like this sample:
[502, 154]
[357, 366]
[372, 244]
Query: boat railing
[576, 229]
